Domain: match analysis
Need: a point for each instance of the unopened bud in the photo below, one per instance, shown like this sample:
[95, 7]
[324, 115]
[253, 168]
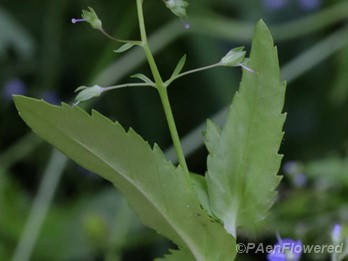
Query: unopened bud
[178, 7]
[234, 57]
[86, 93]
[89, 17]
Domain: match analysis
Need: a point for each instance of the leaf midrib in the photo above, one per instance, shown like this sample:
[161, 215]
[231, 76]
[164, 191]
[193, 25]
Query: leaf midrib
[169, 221]
[246, 147]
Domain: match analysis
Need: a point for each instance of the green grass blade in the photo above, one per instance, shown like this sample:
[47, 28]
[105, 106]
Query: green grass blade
[154, 188]
[243, 158]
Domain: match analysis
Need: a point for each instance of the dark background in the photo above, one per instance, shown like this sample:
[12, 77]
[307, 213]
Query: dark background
[44, 55]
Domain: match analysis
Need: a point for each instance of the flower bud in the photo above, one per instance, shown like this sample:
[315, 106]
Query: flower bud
[92, 18]
[86, 93]
[178, 7]
[234, 57]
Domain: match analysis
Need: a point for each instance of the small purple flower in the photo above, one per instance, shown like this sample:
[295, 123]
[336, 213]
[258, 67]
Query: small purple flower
[274, 4]
[13, 86]
[286, 250]
[309, 5]
[293, 170]
[299, 180]
[290, 167]
[51, 97]
[336, 233]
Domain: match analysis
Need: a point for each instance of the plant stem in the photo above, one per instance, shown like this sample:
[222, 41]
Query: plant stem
[141, 84]
[118, 40]
[198, 69]
[111, 37]
[192, 71]
[167, 83]
[162, 93]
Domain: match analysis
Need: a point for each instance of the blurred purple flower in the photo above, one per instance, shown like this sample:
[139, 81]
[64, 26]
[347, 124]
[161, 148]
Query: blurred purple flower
[290, 167]
[299, 180]
[13, 86]
[336, 233]
[293, 170]
[51, 97]
[309, 4]
[274, 4]
[286, 250]
[87, 173]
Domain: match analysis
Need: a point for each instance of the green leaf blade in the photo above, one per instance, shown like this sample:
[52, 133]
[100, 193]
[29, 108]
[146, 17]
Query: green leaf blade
[154, 188]
[179, 67]
[144, 78]
[177, 71]
[177, 255]
[200, 186]
[244, 160]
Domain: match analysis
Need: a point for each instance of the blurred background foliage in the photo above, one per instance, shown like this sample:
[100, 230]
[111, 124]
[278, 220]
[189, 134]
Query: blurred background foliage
[51, 209]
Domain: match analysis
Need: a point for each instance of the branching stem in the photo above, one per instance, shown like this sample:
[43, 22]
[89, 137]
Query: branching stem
[162, 93]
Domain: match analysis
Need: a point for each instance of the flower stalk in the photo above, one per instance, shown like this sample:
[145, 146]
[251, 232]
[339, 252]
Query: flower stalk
[91, 17]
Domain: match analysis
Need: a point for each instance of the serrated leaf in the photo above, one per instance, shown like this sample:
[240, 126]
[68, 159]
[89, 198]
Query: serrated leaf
[243, 159]
[177, 255]
[212, 135]
[201, 189]
[154, 188]
[143, 77]
[124, 47]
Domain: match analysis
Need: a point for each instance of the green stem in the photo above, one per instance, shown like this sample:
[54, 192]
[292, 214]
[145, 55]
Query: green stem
[198, 69]
[162, 93]
[167, 83]
[111, 37]
[126, 85]
[118, 40]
